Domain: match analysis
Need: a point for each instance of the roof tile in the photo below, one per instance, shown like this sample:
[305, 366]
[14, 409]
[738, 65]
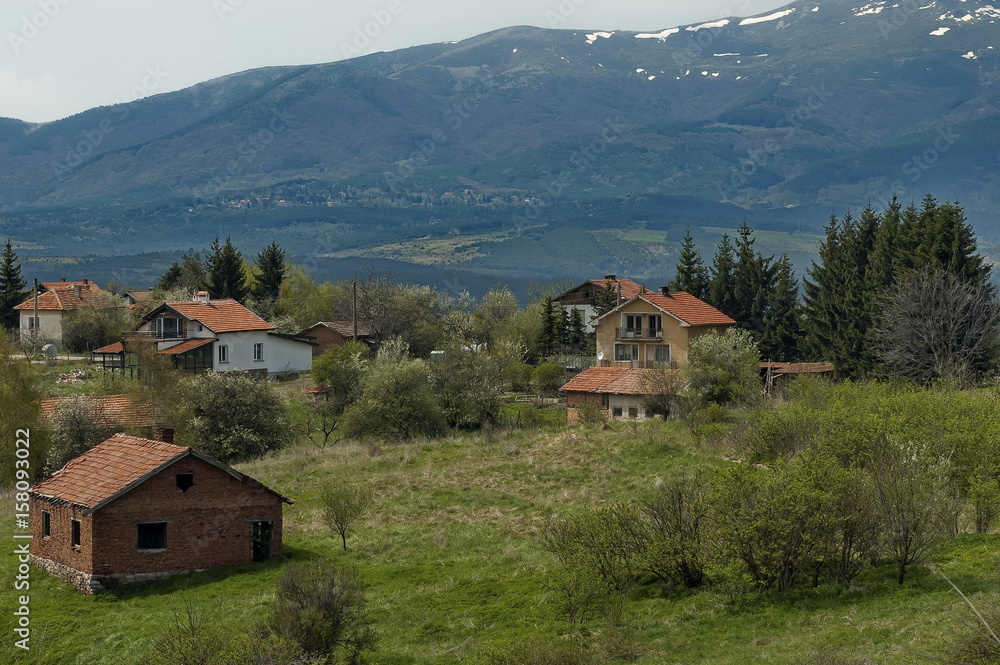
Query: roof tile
[221, 316]
[612, 380]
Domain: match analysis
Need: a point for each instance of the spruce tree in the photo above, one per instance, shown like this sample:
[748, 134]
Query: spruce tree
[577, 332]
[720, 293]
[270, 273]
[225, 272]
[606, 299]
[690, 274]
[13, 288]
[548, 336]
[782, 327]
[753, 280]
[171, 278]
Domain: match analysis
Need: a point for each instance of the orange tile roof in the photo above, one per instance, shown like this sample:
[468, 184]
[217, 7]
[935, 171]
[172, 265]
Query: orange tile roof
[107, 469]
[188, 345]
[63, 283]
[688, 309]
[220, 316]
[114, 347]
[611, 380]
[63, 297]
[629, 289]
[116, 466]
[113, 410]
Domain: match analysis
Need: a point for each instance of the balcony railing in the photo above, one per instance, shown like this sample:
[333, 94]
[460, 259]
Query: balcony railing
[641, 364]
[638, 333]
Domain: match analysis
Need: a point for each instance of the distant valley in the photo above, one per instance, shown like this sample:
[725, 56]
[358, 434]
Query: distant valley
[528, 154]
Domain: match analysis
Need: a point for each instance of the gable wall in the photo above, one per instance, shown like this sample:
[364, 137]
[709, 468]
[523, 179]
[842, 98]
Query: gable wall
[208, 525]
[325, 338]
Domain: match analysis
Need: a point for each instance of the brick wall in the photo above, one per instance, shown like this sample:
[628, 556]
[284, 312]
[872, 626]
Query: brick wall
[209, 525]
[58, 547]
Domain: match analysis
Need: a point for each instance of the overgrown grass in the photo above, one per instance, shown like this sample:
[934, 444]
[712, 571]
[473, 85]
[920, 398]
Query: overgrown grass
[452, 559]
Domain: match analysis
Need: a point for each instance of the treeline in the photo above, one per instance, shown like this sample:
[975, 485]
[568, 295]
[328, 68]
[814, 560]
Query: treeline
[858, 297]
[836, 480]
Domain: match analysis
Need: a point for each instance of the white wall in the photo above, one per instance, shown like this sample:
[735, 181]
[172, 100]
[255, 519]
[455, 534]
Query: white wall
[624, 402]
[280, 355]
[49, 326]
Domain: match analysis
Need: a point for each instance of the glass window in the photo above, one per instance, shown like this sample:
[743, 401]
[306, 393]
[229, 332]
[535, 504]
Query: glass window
[75, 535]
[258, 351]
[46, 523]
[626, 351]
[662, 353]
[224, 353]
[617, 412]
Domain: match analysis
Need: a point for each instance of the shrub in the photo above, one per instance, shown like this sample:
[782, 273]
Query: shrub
[397, 402]
[724, 368]
[234, 417]
[322, 609]
[76, 428]
[518, 376]
[548, 378]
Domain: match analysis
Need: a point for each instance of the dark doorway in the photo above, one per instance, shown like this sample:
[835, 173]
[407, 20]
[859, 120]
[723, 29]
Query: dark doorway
[261, 536]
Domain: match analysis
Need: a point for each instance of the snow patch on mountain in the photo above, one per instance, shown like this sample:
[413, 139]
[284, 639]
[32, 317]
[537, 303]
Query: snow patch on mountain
[770, 17]
[658, 35]
[708, 26]
[939, 32]
[592, 37]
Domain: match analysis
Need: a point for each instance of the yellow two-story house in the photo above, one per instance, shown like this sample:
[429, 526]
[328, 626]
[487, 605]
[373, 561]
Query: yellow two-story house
[655, 330]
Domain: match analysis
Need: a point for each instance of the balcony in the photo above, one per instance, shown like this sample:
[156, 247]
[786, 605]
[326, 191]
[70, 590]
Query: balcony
[640, 364]
[638, 333]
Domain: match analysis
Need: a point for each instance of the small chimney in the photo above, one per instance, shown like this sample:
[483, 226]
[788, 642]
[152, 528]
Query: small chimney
[62, 279]
[76, 290]
[201, 296]
[665, 290]
[86, 282]
[164, 434]
[610, 278]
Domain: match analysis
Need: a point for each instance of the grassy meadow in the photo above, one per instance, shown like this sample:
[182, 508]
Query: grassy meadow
[454, 566]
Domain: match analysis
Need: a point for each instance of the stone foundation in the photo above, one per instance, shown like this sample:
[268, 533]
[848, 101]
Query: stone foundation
[88, 584]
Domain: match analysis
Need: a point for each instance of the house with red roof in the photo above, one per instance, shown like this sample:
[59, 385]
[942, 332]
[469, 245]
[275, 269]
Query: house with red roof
[586, 296]
[115, 412]
[336, 333]
[649, 332]
[54, 300]
[221, 335]
[133, 509]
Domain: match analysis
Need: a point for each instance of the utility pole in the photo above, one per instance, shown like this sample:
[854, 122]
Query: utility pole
[34, 319]
[354, 309]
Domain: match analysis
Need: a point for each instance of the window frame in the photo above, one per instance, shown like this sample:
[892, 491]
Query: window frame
[46, 524]
[258, 347]
[223, 354]
[620, 356]
[159, 540]
[75, 533]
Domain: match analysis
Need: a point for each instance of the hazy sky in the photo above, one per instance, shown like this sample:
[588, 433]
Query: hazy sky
[60, 57]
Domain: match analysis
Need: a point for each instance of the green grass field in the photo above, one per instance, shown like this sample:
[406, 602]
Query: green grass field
[453, 565]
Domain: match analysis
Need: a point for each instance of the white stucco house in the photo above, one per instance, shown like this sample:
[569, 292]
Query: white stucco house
[54, 300]
[221, 335]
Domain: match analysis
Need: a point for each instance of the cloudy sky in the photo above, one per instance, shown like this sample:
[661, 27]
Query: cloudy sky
[60, 57]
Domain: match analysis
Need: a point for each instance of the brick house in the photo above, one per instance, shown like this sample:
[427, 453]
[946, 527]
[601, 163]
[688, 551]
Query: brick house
[585, 296]
[336, 333]
[118, 412]
[133, 509]
[54, 300]
[616, 392]
[220, 335]
[655, 329]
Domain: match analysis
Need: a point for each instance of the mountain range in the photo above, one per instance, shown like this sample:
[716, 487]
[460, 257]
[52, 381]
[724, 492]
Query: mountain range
[488, 155]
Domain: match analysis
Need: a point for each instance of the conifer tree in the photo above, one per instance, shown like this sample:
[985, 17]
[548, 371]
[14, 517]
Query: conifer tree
[690, 274]
[225, 272]
[720, 292]
[270, 273]
[881, 264]
[753, 280]
[548, 337]
[13, 288]
[782, 328]
[606, 299]
[577, 332]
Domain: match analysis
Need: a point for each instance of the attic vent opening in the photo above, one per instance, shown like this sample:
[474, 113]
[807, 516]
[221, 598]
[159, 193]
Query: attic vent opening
[185, 481]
